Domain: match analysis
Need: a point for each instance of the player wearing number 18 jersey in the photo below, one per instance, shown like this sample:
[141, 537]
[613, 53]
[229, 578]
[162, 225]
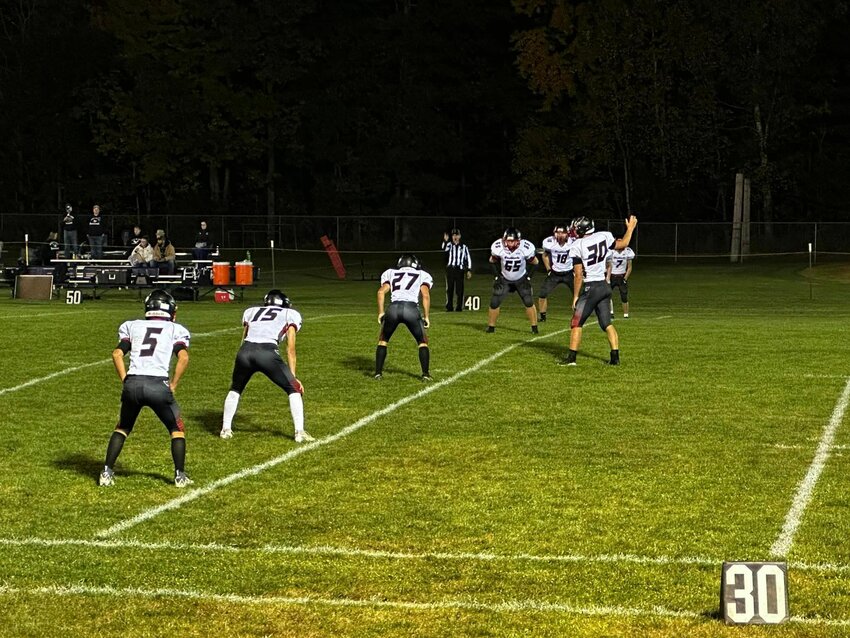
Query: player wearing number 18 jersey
[151, 342]
[264, 327]
[559, 265]
[592, 293]
[405, 283]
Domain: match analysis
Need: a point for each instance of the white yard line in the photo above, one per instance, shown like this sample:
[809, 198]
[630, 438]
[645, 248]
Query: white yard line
[445, 604]
[24, 317]
[782, 545]
[194, 494]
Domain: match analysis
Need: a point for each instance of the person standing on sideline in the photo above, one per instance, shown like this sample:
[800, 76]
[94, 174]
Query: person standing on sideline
[263, 329]
[151, 342]
[458, 266]
[592, 293]
[512, 255]
[97, 233]
[69, 233]
[619, 268]
[559, 266]
[405, 283]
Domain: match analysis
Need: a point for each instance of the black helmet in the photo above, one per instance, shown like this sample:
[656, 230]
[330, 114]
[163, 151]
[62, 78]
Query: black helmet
[408, 260]
[160, 304]
[455, 231]
[277, 298]
[512, 233]
[584, 226]
[560, 228]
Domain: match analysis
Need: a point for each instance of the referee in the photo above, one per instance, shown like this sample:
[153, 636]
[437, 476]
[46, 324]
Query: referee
[458, 262]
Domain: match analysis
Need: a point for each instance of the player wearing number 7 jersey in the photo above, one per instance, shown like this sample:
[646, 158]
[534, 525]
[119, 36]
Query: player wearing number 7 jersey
[264, 327]
[405, 283]
[592, 293]
[151, 342]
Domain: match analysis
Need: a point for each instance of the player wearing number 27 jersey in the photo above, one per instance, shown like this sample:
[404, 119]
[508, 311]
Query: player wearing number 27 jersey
[150, 342]
[592, 293]
[405, 283]
[264, 328]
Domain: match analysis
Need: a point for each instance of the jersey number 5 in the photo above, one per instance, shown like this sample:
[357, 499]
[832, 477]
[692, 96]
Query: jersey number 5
[149, 342]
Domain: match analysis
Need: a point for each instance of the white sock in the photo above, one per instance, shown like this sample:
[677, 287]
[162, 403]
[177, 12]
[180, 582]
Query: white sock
[296, 406]
[230, 405]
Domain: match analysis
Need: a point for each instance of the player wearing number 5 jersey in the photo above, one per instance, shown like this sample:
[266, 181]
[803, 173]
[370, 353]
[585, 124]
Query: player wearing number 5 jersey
[405, 283]
[151, 342]
[592, 293]
[512, 255]
[264, 327]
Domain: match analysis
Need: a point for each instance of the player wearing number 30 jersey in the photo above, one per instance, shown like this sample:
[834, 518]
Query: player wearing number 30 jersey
[151, 342]
[264, 327]
[405, 283]
[592, 293]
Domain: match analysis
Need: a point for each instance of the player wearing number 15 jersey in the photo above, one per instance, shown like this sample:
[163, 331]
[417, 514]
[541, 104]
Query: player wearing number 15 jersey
[512, 255]
[592, 293]
[151, 342]
[264, 327]
[405, 283]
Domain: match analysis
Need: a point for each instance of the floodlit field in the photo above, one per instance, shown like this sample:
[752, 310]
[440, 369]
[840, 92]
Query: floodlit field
[510, 497]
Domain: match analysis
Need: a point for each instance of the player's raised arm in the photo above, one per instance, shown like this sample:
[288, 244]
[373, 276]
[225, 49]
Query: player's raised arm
[624, 241]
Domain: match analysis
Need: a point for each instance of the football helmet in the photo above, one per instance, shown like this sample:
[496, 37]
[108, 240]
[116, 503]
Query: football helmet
[408, 260]
[583, 226]
[159, 303]
[276, 297]
[511, 238]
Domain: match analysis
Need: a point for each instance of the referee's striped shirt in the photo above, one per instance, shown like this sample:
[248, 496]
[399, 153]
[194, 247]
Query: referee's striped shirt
[458, 255]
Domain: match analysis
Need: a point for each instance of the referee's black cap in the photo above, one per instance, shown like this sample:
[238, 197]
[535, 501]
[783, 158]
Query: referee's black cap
[455, 231]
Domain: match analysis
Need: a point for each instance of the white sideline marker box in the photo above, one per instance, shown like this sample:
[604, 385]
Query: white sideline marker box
[754, 593]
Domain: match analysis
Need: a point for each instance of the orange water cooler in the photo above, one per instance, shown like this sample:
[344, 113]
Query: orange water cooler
[221, 273]
[244, 273]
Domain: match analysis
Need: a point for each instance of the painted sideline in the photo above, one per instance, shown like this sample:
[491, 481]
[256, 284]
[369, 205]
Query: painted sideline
[194, 494]
[507, 606]
[806, 488]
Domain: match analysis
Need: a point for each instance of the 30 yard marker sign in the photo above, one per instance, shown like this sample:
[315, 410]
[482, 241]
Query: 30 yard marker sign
[754, 593]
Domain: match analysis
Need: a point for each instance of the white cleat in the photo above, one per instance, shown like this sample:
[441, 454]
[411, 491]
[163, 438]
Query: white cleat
[181, 480]
[106, 478]
[226, 434]
[303, 437]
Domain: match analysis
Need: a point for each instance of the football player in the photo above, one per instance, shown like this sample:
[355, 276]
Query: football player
[559, 266]
[405, 283]
[592, 293]
[512, 255]
[617, 274]
[263, 329]
[151, 342]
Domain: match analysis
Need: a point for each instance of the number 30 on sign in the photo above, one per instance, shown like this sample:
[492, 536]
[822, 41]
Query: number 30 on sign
[754, 593]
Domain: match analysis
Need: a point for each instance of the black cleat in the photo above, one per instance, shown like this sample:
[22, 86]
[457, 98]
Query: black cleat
[491, 328]
[542, 317]
[534, 330]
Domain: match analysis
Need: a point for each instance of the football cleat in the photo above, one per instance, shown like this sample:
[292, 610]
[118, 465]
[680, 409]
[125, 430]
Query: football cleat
[181, 480]
[427, 377]
[565, 362]
[534, 330]
[226, 434]
[106, 478]
[379, 377]
[303, 437]
[491, 328]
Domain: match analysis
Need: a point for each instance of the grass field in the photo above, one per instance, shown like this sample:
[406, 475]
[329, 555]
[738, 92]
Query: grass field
[510, 497]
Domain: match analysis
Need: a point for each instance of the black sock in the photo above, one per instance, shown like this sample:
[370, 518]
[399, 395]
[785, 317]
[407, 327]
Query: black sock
[615, 356]
[380, 357]
[178, 453]
[425, 360]
[571, 356]
[116, 442]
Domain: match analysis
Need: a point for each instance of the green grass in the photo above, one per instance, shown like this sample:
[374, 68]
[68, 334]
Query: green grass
[518, 499]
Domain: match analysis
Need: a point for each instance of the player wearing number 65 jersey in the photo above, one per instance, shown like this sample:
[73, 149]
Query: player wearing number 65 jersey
[512, 255]
[592, 293]
[405, 283]
[264, 327]
[151, 342]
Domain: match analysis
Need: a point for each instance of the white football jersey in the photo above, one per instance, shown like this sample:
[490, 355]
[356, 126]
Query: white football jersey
[513, 261]
[405, 282]
[559, 256]
[592, 251]
[620, 260]
[152, 343]
[269, 324]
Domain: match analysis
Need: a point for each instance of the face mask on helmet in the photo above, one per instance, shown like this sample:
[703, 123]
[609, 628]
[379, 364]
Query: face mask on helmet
[512, 238]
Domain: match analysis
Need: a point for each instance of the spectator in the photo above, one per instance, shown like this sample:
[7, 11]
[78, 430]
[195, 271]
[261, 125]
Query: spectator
[203, 243]
[69, 233]
[163, 254]
[97, 233]
[142, 255]
[134, 239]
[47, 251]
